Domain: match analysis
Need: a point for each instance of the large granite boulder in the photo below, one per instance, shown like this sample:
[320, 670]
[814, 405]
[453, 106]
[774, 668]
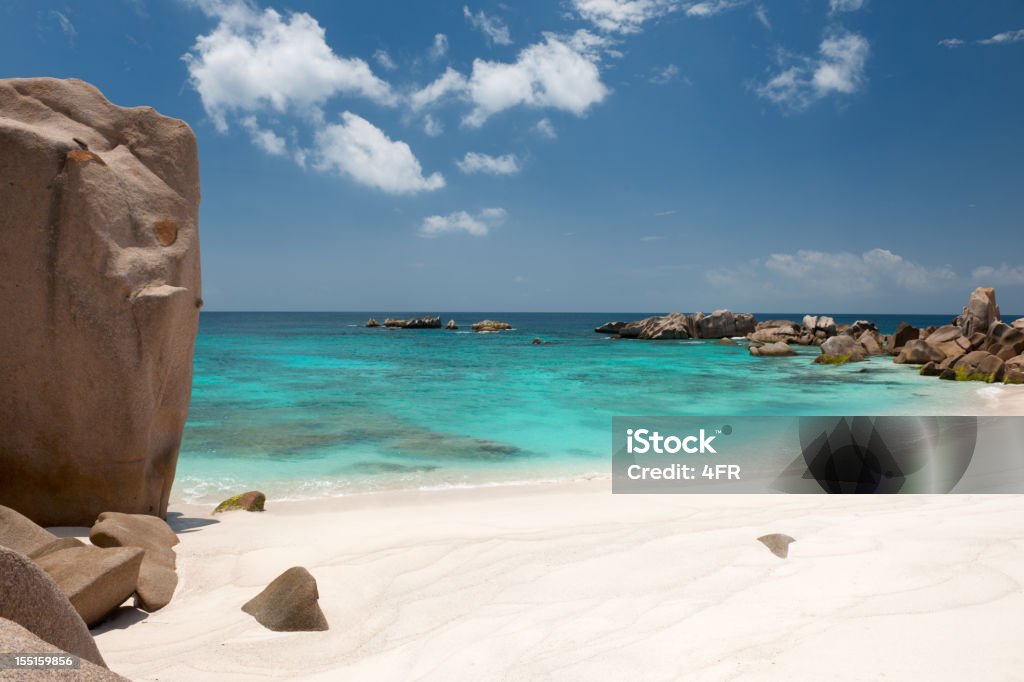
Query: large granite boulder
[1014, 370]
[15, 639]
[871, 341]
[950, 341]
[979, 365]
[1018, 323]
[424, 322]
[289, 604]
[1004, 341]
[95, 580]
[451, 325]
[779, 349]
[773, 331]
[99, 297]
[718, 325]
[839, 350]
[24, 536]
[659, 328]
[818, 327]
[490, 326]
[904, 333]
[919, 352]
[979, 313]
[157, 577]
[30, 598]
[610, 327]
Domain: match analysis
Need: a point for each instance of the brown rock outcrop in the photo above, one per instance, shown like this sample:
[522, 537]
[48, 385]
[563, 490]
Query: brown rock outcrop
[95, 580]
[425, 322]
[157, 577]
[30, 598]
[289, 604]
[100, 299]
[777, 349]
[490, 326]
[979, 313]
[15, 639]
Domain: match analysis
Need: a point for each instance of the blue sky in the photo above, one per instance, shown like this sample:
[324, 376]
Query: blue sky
[826, 155]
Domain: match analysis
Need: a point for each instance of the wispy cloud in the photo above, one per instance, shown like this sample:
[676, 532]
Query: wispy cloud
[837, 69]
[1004, 38]
[545, 128]
[65, 24]
[439, 48]
[665, 75]
[1006, 275]
[623, 16]
[493, 28]
[478, 225]
[384, 60]
[845, 5]
[474, 162]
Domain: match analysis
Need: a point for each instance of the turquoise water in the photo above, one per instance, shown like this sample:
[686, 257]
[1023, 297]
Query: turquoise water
[309, 404]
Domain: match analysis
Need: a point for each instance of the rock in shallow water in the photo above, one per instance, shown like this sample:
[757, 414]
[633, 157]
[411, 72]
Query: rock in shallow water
[252, 501]
[289, 604]
[100, 299]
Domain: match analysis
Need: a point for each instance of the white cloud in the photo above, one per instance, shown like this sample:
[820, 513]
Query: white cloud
[1004, 38]
[561, 73]
[440, 47]
[267, 140]
[622, 16]
[474, 162]
[545, 128]
[838, 68]
[951, 42]
[384, 60]
[845, 5]
[431, 126]
[837, 272]
[253, 61]
[761, 12]
[494, 28]
[710, 8]
[450, 82]
[1006, 275]
[665, 75]
[478, 225]
[358, 149]
[65, 24]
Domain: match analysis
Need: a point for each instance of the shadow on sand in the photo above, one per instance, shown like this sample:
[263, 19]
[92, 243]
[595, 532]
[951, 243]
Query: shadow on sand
[180, 523]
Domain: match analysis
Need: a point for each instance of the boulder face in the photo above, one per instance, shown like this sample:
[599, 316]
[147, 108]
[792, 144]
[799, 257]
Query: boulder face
[839, 350]
[424, 322]
[980, 312]
[979, 365]
[675, 326]
[15, 639]
[904, 334]
[157, 577]
[289, 604]
[778, 349]
[100, 298]
[95, 580]
[490, 326]
[33, 600]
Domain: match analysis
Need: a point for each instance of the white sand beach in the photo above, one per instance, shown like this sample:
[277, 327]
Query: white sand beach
[567, 581]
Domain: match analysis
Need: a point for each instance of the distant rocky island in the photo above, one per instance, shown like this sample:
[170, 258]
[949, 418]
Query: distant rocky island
[977, 345]
[434, 322]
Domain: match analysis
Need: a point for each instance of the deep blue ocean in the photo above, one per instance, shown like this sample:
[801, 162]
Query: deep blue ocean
[310, 404]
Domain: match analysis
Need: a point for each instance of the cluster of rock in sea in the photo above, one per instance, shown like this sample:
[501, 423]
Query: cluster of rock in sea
[977, 345]
[434, 322]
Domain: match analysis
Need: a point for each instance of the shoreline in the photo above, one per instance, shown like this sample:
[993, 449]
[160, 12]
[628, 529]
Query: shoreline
[567, 580]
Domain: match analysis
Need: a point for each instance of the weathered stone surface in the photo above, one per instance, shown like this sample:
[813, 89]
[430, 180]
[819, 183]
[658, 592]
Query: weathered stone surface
[857, 329]
[673, 326]
[252, 501]
[490, 326]
[931, 370]
[425, 322]
[1018, 323]
[870, 342]
[21, 534]
[95, 580]
[1014, 370]
[289, 603]
[981, 311]
[451, 325]
[773, 331]
[1003, 341]
[30, 598]
[157, 577]
[726, 341]
[610, 327]
[820, 326]
[15, 639]
[979, 365]
[778, 543]
[904, 333]
[771, 350]
[372, 323]
[919, 352]
[839, 350]
[100, 304]
[56, 546]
